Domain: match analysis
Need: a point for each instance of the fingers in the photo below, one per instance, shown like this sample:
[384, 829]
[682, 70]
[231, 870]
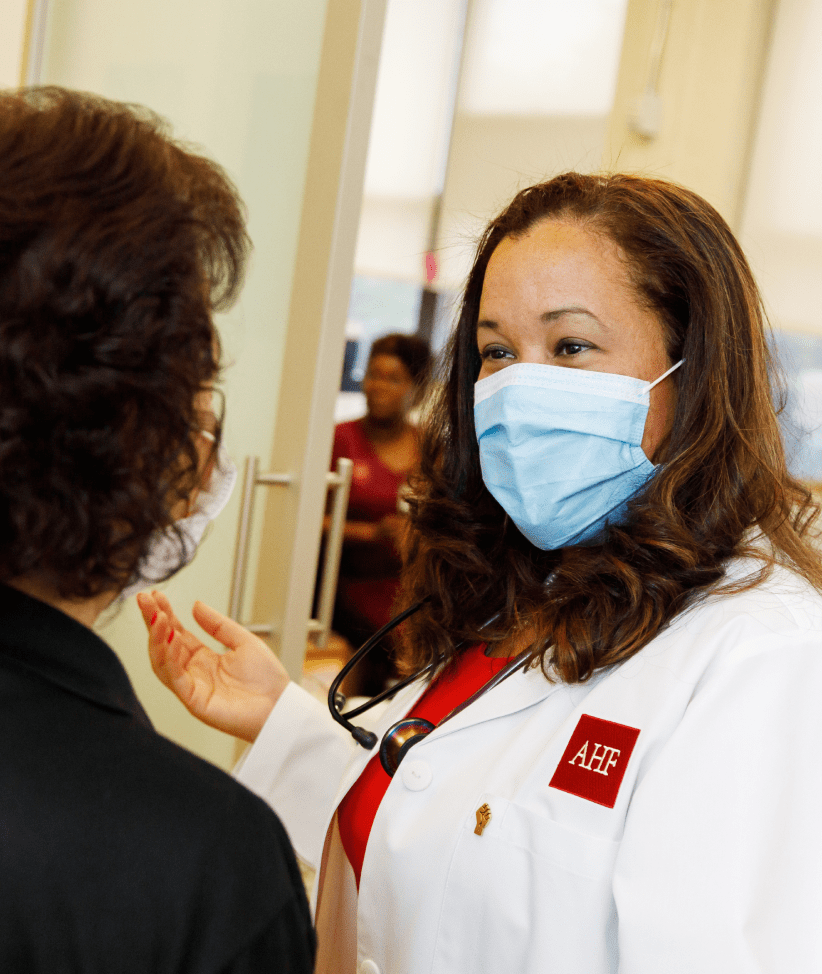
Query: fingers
[225, 630]
[164, 605]
[148, 607]
[158, 626]
[160, 620]
[160, 641]
[168, 647]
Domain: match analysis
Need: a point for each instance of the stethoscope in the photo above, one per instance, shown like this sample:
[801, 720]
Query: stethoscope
[402, 736]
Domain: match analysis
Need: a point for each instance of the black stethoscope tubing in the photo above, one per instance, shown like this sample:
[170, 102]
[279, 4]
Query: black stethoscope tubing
[362, 736]
[368, 739]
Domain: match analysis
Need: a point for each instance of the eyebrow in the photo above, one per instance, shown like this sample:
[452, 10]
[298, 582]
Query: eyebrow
[549, 316]
[573, 310]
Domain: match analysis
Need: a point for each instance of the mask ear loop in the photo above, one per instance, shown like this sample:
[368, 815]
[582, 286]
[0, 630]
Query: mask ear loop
[665, 375]
[656, 382]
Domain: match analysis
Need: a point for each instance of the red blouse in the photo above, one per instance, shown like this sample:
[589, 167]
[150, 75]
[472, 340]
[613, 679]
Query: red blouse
[374, 486]
[369, 570]
[355, 815]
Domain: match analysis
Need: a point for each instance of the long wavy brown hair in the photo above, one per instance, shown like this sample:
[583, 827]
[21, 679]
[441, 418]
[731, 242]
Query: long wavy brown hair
[723, 470]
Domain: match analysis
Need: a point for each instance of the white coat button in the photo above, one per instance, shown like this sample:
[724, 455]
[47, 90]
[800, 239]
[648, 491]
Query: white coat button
[416, 775]
[369, 967]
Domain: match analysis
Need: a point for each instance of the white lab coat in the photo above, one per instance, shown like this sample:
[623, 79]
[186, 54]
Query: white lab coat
[710, 861]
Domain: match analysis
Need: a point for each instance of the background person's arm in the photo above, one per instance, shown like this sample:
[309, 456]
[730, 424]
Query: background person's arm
[362, 531]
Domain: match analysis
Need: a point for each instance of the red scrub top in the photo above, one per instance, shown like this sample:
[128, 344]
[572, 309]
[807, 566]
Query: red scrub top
[374, 486]
[355, 815]
[369, 571]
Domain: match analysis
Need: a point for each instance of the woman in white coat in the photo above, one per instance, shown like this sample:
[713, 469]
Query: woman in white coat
[603, 497]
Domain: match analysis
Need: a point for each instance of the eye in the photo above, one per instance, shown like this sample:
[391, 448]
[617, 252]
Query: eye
[495, 353]
[571, 346]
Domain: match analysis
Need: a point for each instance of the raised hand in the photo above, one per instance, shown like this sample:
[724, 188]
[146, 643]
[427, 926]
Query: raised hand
[233, 691]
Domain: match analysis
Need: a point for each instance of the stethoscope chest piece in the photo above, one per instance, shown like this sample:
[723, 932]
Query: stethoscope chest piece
[399, 739]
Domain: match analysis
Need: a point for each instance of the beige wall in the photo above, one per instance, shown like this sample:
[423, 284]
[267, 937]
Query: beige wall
[534, 100]
[781, 228]
[410, 131]
[710, 85]
[238, 78]
[492, 157]
[12, 41]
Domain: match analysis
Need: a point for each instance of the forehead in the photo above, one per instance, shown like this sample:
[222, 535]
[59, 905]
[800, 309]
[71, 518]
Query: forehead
[387, 364]
[566, 276]
[561, 256]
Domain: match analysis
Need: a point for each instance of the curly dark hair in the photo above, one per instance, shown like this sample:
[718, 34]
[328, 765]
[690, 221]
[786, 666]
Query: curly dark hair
[116, 245]
[723, 467]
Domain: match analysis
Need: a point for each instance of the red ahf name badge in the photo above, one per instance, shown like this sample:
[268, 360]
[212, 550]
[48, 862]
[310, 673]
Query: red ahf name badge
[595, 760]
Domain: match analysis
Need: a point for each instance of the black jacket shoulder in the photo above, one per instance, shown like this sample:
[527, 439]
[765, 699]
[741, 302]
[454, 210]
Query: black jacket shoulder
[120, 851]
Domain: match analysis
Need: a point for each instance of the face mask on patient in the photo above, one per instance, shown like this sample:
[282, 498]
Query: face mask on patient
[560, 449]
[164, 555]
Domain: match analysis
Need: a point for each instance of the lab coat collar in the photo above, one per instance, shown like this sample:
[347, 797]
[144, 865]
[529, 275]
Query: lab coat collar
[522, 689]
[49, 645]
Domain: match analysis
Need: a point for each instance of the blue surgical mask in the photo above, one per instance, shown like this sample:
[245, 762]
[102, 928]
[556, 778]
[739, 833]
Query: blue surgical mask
[560, 448]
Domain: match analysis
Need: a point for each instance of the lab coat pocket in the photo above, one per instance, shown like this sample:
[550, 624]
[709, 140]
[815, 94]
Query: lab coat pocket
[527, 895]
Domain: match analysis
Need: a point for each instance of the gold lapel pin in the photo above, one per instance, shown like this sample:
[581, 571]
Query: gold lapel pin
[483, 818]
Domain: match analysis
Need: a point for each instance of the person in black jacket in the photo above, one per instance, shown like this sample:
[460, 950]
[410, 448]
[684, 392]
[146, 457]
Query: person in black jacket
[120, 852]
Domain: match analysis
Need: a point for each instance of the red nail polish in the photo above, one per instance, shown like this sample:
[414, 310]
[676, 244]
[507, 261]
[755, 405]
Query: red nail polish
[170, 636]
[153, 619]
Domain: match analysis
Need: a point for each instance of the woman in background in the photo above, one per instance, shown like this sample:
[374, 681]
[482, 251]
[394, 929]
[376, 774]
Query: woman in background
[119, 851]
[384, 448]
